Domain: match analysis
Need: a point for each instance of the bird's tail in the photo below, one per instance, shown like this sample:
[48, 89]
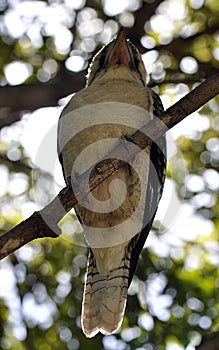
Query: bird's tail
[104, 298]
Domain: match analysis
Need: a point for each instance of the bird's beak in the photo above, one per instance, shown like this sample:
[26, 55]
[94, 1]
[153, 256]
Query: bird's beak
[120, 53]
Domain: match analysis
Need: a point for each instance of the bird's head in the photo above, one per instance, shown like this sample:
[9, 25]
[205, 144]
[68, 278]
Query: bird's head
[120, 59]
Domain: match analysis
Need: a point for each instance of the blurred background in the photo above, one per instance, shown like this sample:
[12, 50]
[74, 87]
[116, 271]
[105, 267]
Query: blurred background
[45, 50]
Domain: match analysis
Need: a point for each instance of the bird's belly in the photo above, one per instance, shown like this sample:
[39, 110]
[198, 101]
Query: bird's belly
[116, 208]
[89, 133]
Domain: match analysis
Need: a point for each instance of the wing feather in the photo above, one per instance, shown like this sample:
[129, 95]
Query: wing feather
[155, 184]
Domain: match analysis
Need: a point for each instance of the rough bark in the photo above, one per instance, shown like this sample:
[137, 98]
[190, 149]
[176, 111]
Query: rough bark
[44, 223]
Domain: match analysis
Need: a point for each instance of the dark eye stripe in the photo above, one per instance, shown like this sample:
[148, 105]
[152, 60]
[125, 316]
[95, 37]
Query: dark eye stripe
[137, 60]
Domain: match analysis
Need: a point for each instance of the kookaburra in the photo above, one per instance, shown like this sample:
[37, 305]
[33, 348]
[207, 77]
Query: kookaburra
[117, 219]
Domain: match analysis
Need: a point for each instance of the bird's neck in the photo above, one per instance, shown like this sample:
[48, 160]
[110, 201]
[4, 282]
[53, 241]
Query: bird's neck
[117, 74]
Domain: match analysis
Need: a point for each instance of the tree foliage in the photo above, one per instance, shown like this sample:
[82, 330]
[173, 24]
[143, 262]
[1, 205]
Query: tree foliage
[173, 299]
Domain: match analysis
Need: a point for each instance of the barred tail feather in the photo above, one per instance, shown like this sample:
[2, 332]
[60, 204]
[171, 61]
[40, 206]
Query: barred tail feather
[104, 298]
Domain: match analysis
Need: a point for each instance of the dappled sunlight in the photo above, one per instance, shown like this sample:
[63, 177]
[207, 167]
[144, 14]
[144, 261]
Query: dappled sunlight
[17, 72]
[189, 65]
[173, 298]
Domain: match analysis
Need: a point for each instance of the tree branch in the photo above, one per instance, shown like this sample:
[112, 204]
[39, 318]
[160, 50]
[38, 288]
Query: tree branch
[37, 95]
[16, 166]
[44, 223]
[15, 100]
[209, 342]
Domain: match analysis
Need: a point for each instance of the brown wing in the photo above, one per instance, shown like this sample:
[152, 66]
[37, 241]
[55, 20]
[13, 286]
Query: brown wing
[155, 184]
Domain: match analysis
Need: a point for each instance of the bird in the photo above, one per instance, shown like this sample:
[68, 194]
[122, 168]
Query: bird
[118, 218]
